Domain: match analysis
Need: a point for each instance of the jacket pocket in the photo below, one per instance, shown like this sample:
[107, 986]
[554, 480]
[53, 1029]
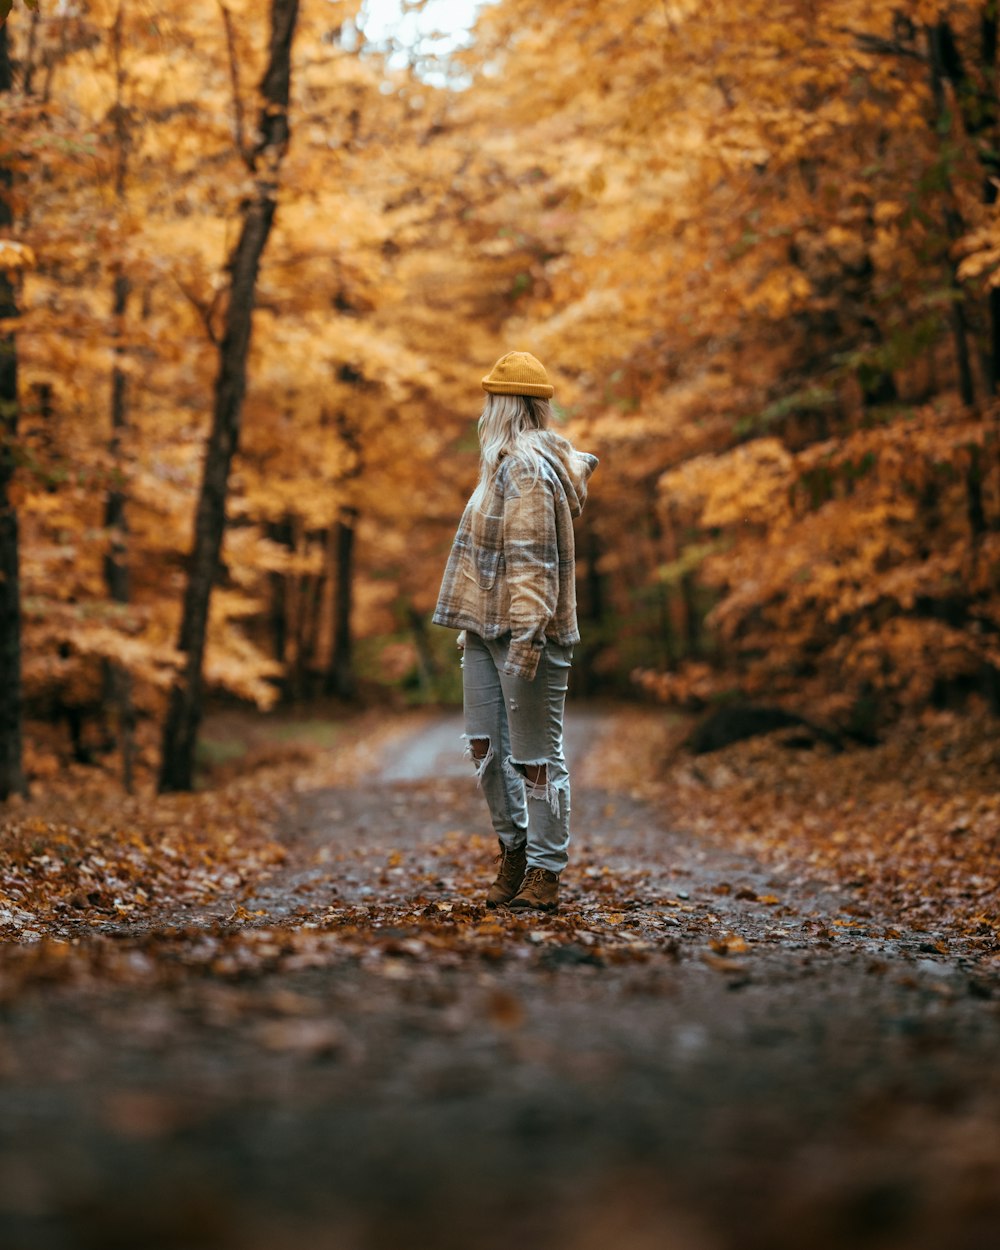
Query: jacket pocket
[482, 560]
[482, 567]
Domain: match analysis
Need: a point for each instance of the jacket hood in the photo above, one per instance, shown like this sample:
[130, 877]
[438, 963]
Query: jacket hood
[572, 467]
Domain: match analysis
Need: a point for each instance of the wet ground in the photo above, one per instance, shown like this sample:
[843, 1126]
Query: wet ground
[697, 1053]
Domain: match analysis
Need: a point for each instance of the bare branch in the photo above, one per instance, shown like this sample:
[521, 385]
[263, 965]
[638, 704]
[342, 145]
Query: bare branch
[878, 46]
[206, 312]
[239, 125]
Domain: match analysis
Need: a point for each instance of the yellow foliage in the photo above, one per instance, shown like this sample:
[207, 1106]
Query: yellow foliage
[15, 256]
[733, 256]
[746, 486]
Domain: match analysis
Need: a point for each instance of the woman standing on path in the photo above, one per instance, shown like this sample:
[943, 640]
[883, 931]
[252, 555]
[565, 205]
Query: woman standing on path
[510, 586]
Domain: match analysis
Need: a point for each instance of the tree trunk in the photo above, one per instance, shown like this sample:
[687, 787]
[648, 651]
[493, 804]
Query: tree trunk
[878, 386]
[595, 599]
[945, 66]
[12, 779]
[427, 670]
[989, 30]
[993, 376]
[960, 330]
[340, 675]
[293, 613]
[980, 109]
[280, 532]
[975, 508]
[665, 547]
[312, 598]
[692, 617]
[117, 679]
[184, 712]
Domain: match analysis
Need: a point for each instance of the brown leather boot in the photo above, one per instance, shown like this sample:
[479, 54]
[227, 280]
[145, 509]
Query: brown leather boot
[539, 892]
[509, 875]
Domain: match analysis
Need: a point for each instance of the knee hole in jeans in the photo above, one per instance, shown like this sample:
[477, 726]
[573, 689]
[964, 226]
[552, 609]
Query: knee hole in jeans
[480, 751]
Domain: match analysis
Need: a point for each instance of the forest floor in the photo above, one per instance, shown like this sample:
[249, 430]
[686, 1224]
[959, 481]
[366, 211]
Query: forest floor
[276, 1013]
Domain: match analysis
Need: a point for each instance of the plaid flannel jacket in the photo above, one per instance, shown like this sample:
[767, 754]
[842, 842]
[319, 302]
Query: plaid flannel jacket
[512, 567]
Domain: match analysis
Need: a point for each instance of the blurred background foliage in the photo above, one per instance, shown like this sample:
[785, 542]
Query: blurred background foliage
[756, 246]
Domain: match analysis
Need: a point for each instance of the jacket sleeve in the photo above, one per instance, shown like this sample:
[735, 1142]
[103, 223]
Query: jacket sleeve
[531, 556]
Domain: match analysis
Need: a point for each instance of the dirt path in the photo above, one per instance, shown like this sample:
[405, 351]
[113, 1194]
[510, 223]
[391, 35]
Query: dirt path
[698, 1053]
[436, 749]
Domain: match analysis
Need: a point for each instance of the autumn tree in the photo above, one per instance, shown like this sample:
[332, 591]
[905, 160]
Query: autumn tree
[12, 779]
[331, 304]
[263, 162]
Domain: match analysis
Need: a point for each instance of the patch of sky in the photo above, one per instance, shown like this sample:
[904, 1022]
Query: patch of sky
[420, 34]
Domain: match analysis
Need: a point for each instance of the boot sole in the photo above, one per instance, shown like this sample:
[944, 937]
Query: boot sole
[514, 905]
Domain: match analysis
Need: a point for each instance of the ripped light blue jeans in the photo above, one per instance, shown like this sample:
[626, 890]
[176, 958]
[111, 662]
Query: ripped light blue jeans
[522, 723]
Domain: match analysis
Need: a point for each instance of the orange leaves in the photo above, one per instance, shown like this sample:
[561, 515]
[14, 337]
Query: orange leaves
[78, 855]
[15, 256]
[908, 828]
[905, 657]
[7, 5]
[693, 686]
[979, 253]
[749, 485]
[833, 553]
[730, 944]
[779, 294]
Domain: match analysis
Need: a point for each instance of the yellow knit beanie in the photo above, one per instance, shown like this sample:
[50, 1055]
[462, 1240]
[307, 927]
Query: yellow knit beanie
[518, 373]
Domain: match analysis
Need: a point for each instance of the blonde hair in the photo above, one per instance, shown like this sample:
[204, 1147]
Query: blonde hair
[509, 425]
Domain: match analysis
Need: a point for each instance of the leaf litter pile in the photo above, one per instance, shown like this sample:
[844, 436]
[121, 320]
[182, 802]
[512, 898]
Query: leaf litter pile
[909, 828]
